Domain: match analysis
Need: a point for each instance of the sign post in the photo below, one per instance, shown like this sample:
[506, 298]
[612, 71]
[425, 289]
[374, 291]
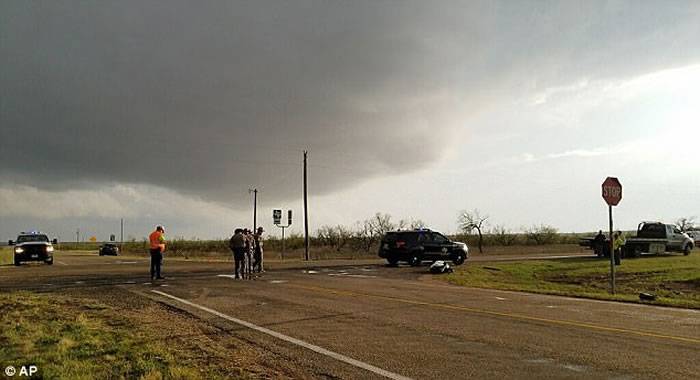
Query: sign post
[277, 220]
[612, 194]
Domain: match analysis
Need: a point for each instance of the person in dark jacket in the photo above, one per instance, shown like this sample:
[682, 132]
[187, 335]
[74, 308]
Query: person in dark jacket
[237, 246]
[599, 244]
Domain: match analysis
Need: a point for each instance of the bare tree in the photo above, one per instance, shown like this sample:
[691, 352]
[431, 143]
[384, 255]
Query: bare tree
[542, 234]
[686, 224]
[469, 221]
[503, 236]
[381, 224]
[371, 230]
[410, 224]
[364, 235]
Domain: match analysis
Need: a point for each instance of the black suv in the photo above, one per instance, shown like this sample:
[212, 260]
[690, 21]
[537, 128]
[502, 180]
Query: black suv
[417, 245]
[33, 246]
[108, 249]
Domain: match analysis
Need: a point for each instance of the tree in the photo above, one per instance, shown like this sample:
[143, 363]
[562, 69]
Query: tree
[371, 230]
[542, 234]
[686, 224]
[411, 224]
[503, 236]
[473, 220]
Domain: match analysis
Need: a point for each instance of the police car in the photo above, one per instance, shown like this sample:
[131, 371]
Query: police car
[415, 246]
[33, 246]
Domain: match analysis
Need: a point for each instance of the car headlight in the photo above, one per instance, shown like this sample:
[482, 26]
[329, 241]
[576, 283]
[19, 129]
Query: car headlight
[49, 249]
[19, 250]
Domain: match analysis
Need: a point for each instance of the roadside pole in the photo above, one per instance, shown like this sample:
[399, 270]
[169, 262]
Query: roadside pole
[306, 213]
[612, 252]
[612, 194]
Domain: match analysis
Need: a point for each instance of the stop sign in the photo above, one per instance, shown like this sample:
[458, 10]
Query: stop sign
[612, 191]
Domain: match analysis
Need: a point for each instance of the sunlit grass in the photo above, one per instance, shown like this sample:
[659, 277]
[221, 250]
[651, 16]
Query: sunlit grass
[67, 339]
[675, 280]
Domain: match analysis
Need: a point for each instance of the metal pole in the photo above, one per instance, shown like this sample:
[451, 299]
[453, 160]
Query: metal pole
[612, 252]
[306, 213]
[121, 235]
[282, 243]
[255, 210]
[77, 235]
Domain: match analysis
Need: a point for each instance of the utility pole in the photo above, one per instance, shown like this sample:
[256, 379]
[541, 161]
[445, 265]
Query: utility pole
[77, 235]
[306, 212]
[121, 235]
[255, 207]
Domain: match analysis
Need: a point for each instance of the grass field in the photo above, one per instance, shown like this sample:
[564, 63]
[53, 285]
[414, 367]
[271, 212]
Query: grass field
[71, 339]
[674, 279]
[6, 257]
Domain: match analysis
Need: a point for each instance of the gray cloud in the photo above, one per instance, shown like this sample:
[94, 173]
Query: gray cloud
[211, 98]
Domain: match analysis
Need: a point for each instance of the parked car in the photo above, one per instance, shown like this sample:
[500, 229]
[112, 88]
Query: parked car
[655, 237]
[33, 246]
[416, 246]
[108, 249]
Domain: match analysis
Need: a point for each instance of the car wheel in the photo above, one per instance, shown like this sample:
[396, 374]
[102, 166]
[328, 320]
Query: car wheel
[688, 248]
[49, 262]
[458, 259]
[393, 261]
[414, 261]
[17, 262]
[636, 252]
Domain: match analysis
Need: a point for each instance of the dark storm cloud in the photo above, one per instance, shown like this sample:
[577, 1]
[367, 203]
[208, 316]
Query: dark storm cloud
[209, 98]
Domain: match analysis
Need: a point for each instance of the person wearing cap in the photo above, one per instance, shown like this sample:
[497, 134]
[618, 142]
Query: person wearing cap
[258, 251]
[157, 247]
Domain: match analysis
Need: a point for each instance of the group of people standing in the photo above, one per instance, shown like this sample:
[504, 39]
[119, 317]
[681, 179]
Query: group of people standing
[601, 245]
[247, 248]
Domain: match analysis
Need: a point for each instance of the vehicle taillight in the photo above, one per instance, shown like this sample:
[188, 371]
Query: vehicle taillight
[400, 244]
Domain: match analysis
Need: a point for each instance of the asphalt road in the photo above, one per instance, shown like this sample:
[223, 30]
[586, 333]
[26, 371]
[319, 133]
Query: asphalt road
[363, 320]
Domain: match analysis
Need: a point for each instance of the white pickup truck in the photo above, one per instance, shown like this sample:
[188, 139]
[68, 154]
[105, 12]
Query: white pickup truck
[655, 237]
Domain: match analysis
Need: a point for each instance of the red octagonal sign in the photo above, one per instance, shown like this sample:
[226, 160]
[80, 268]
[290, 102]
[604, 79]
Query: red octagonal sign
[612, 191]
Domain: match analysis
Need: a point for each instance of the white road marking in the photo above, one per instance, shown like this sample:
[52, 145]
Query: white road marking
[165, 285]
[226, 275]
[309, 271]
[289, 339]
[501, 298]
[80, 282]
[126, 262]
[351, 275]
[278, 281]
[61, 262]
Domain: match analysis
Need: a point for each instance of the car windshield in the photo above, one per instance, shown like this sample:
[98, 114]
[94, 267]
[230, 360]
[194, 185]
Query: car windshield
[32, 238]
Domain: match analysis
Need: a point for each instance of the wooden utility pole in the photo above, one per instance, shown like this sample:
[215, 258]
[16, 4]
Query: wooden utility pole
[255, 208]
[306, 212]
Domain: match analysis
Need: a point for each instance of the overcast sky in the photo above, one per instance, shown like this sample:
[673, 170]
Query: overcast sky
[168, 112]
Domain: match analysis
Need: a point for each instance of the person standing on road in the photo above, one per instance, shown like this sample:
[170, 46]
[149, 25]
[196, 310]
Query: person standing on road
[618, 245]
[237, 245]
[249, 243]
[599, 244]
[157, 244]
[258, 250]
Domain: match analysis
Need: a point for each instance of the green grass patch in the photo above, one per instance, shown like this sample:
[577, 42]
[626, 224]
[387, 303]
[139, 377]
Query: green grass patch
[6, 256]
[67, 339]
[675, 280]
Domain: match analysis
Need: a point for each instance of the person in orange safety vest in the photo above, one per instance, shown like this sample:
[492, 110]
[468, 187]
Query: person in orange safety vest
[157, 243]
